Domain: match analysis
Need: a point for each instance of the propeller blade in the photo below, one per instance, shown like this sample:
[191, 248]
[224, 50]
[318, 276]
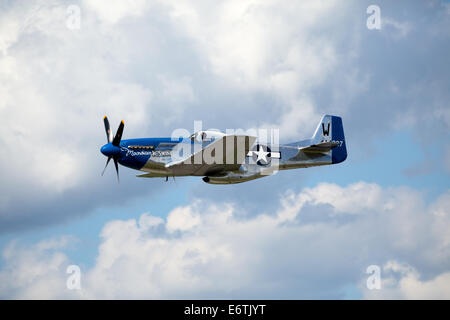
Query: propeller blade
[107, 161]
[118, 136]
[117, 169]
[107, 129]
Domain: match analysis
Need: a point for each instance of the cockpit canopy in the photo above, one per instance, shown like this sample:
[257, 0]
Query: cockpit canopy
[206, 136]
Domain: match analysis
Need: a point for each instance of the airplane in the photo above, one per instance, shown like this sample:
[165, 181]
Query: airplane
[222, 158]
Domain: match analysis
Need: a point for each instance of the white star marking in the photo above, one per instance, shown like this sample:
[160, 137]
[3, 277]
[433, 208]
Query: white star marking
[262, 155]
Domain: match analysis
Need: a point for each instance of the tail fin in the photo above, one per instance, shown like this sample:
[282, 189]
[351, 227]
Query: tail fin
[331, 131]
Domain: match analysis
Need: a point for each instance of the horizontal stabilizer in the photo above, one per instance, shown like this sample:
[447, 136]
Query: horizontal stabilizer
[321, 147]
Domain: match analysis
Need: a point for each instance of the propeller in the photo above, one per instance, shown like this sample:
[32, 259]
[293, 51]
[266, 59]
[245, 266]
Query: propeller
[112, 149]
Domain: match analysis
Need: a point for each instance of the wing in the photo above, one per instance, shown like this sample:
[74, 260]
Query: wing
[226, 153]
[152, 175]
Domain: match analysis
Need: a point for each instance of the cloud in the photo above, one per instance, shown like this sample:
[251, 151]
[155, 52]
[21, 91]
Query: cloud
[36, 271]
[401, 281]
[58, 83]
[113, 11]
[314, 246]
[263, 48]
[182, 219]
[400, 29]
[243, 40]
[53, 98]
[161, 65]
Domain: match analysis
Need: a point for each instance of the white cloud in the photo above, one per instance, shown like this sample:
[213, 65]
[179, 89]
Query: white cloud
[36, 272]
[303, 250]
[182, 218]
[395, 28]
[266, 46]
[247, 41]
[401, 29]
[50, 97]
[147, 221]
[161, 64]
[112, 11]
[57, 83]
[401, 281]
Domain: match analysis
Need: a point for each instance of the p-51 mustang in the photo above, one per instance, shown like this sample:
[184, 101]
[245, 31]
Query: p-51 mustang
[224, 158]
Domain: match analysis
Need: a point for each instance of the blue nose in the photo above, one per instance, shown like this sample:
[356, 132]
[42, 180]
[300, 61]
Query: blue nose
[109, 150]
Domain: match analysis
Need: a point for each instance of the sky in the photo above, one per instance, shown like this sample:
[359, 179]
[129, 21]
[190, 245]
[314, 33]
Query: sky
[161, 65]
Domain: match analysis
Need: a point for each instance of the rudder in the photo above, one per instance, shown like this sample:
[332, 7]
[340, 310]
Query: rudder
[330, 129]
